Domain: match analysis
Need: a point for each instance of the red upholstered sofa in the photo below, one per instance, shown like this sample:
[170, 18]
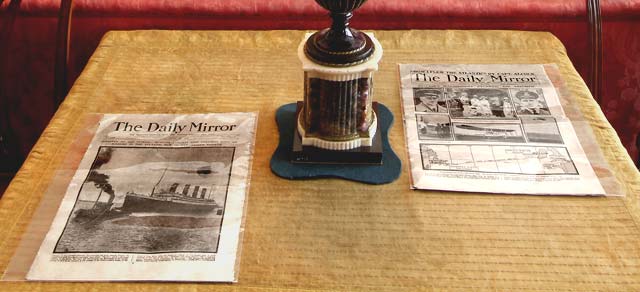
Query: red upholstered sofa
[27, 80]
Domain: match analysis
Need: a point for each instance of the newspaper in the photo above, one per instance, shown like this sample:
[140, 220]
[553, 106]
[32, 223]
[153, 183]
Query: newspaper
[156, 197]
[491, 128]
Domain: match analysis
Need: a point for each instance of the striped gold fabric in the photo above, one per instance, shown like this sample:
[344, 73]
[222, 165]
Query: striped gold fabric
[334, 235]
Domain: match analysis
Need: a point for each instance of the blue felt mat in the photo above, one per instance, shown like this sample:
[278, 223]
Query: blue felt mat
[371, 174]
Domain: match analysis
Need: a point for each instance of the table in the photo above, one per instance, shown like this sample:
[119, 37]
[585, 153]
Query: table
[337, 235]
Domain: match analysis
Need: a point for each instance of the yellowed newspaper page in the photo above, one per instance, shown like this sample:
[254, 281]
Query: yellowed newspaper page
[491, 128]
[156, 198]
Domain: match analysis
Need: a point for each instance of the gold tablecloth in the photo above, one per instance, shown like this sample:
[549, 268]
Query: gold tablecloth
[331, 234]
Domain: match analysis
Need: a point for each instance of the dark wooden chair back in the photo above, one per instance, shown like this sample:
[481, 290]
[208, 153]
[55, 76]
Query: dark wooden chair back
[595, 41]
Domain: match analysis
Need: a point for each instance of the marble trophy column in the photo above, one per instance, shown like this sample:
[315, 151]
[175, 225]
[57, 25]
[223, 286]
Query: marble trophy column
[338, 62]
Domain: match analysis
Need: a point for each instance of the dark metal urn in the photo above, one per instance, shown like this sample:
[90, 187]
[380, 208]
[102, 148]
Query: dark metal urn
[339, 45]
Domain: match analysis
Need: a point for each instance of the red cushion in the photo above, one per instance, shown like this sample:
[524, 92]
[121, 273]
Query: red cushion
[489, 9]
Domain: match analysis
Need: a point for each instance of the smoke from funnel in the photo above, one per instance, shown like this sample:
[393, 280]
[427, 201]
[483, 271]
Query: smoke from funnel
[101, 180]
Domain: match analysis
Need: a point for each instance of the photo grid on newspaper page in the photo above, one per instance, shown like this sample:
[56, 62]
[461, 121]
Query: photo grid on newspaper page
[491, 128]
[157, 197]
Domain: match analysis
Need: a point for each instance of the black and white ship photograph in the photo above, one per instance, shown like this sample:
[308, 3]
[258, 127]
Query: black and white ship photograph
[150, 200]
[488, 132]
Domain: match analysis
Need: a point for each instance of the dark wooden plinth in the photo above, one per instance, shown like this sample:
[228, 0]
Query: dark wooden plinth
[361, 155]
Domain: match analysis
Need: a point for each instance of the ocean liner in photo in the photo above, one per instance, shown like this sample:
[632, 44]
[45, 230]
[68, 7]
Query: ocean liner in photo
[192, 199]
